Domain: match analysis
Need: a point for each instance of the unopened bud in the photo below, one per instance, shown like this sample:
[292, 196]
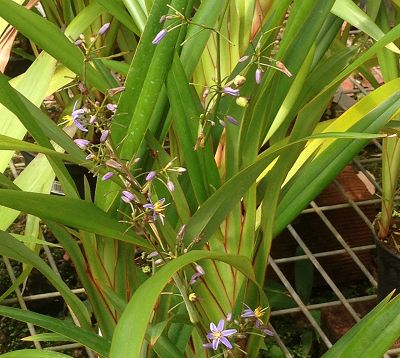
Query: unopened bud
[239, 80]
[242, 102]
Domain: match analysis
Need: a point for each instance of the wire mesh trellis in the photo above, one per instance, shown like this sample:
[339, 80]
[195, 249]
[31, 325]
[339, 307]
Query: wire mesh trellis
[317, 258]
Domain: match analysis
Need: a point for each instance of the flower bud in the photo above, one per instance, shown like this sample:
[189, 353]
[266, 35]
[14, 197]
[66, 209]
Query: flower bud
[113, 164]
[151, 175]
[104, 28]
[82, 143]
[104, 136]
[170, 186]
[231, 91]
[232, 120]
[127, 196]
[239, 80]
[283, 68]
[159, 36]
[111, 107]
[116, 90]
[242, 102]
[107, 176]
[259, 74]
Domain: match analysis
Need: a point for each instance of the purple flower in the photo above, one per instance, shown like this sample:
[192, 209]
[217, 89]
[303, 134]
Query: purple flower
[82, 143]
[244, 58]
[92, 119]
[107, 176]
[151, 175]
[78, 42]
[127, 196]
[248, 312]
[159, 36]
[258, 75]
[218, 335]
[104, 28]
[229, 317]
[232, 120]
[255, 314]
[231, 91]
[222, 123]
[73, 118]
[152, 254]
[157, 209]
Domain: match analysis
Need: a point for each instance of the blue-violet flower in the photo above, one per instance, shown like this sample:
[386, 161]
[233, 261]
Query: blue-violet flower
[218, 335]
[157, 209]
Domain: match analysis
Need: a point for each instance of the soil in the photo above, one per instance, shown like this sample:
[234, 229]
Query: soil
[12, 331]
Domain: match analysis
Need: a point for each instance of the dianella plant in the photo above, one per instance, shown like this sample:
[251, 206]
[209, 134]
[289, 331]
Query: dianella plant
[201, 121]
[389, 64]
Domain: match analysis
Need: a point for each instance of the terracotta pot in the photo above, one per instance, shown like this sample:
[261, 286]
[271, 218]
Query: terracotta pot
[388, 265]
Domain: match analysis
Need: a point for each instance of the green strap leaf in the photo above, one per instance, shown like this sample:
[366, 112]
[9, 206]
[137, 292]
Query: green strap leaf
[350, 12]
[74, 333]
[32, 353]
[77, 213]
[373, 335]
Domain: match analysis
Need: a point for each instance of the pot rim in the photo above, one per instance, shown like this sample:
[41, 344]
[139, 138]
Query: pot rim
[379, 243]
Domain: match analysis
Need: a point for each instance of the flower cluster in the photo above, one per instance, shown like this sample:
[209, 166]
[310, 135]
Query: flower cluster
[259, 59]
[248, 320]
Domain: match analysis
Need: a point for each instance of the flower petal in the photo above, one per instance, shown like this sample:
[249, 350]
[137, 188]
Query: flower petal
[213, 327]
[248, 313]
[207, 345]
[79, 125]
[228, 332]
[220, 326]
[215, 343]
[225, 342]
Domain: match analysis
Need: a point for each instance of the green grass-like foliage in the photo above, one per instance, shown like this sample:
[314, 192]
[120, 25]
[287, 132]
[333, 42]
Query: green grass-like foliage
[206, 180]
